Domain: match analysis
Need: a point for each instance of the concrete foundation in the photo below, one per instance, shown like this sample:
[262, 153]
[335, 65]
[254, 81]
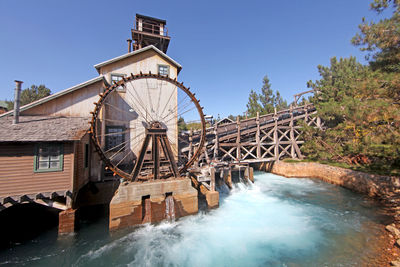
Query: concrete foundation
[137, 203]
[67, 221]
[212, 198]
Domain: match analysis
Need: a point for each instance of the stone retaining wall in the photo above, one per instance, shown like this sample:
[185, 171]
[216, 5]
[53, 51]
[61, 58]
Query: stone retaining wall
[383, 187]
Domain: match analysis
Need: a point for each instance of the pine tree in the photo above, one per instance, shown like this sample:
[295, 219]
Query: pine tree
[280, 103]
[382, 38]
[253, 106]
[266, 101]
[363, 124]
[267, 97]
[30, 95]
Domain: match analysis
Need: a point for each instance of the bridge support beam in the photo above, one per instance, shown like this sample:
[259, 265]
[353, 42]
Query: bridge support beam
[249, 174]
[228, 177]
[67, 221]
[211, 196]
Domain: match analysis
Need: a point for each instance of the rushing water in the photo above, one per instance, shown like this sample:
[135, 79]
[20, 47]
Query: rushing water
[274, 222]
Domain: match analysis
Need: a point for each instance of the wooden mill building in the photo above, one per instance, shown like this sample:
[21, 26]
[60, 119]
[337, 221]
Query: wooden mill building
[47, 157]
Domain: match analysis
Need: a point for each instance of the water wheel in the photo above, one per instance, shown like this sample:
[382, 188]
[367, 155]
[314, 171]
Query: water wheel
[135, 127]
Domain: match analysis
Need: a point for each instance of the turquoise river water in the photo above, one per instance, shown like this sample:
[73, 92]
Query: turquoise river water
[274, 222]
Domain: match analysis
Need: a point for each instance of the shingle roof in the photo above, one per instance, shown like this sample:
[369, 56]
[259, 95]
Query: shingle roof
[43, 128]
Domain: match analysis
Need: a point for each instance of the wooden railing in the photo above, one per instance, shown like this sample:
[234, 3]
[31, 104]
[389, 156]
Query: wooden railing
[262, 138]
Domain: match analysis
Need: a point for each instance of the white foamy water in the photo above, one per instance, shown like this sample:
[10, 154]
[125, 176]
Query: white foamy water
[274, 222]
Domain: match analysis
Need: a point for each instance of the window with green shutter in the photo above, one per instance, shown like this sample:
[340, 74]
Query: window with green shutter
[48, 157]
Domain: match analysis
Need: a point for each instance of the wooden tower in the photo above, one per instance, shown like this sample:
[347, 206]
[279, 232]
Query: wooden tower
[149, 31]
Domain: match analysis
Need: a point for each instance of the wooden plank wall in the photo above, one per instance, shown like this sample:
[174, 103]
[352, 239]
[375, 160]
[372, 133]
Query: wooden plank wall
[81, 173]
[17, 176]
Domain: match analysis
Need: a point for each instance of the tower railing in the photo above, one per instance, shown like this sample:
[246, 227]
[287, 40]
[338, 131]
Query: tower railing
[152, 28]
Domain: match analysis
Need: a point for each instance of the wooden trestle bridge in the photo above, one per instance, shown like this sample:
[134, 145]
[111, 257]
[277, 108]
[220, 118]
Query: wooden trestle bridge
[263, 138]
[234, 146]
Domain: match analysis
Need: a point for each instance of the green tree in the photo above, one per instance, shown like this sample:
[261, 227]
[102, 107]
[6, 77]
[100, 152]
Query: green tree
[267, 97]
[231, 117]
[280, 103]
[356, 104]
[253, 106]
[182, 124]
[30, 95]
[381, 39]
[266, 102]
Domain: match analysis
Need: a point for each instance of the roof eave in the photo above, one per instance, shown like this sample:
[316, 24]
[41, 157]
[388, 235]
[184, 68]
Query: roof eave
[58, 94]
[110, 61]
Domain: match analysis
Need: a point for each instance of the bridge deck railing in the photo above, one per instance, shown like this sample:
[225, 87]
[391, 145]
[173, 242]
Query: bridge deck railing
[258, 139]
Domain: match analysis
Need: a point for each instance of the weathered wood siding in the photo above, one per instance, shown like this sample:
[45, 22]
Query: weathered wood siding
[78, 103]
[81, 172]
[17, 174]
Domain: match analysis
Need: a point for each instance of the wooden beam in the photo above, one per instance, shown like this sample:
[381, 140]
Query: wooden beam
[238, 145]
[276, 140]
[258, 152]
[212, 181]
[216, 142]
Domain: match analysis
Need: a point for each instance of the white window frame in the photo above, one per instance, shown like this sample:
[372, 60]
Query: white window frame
[162, 72]
[120, 76]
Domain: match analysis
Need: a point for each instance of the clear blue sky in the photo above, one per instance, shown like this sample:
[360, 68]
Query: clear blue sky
[225, 47]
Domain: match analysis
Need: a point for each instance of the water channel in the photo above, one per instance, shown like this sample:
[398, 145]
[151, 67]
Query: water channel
[274, 222]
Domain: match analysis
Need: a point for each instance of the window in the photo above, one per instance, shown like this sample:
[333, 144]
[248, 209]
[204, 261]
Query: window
[163, 70]
[48, 157]
[116, 78]
[114, 137]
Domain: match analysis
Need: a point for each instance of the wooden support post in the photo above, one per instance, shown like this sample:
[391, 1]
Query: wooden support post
[246, 174]
[206, 155]
[238, 145]
[67, 221]
[258, 152]
[212, 181]
[216, 143]
[306, 114]
[319, 123]
[228, 177]
[251, 174]
[100, 174]
[190, 143]
[261, 166]
[276, 138]
[221, 177]
[292, 139]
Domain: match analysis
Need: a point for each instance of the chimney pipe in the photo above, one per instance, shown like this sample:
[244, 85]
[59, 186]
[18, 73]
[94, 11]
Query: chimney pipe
[129, 45]
[17, 95]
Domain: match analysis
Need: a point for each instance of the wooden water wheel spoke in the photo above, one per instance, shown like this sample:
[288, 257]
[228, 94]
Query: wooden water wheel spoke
[135, 127]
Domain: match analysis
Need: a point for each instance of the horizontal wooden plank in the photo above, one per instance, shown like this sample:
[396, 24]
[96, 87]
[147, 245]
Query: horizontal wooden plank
[17, 175]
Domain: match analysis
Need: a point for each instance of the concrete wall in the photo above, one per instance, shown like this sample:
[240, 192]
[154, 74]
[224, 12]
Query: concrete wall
[128, 207]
